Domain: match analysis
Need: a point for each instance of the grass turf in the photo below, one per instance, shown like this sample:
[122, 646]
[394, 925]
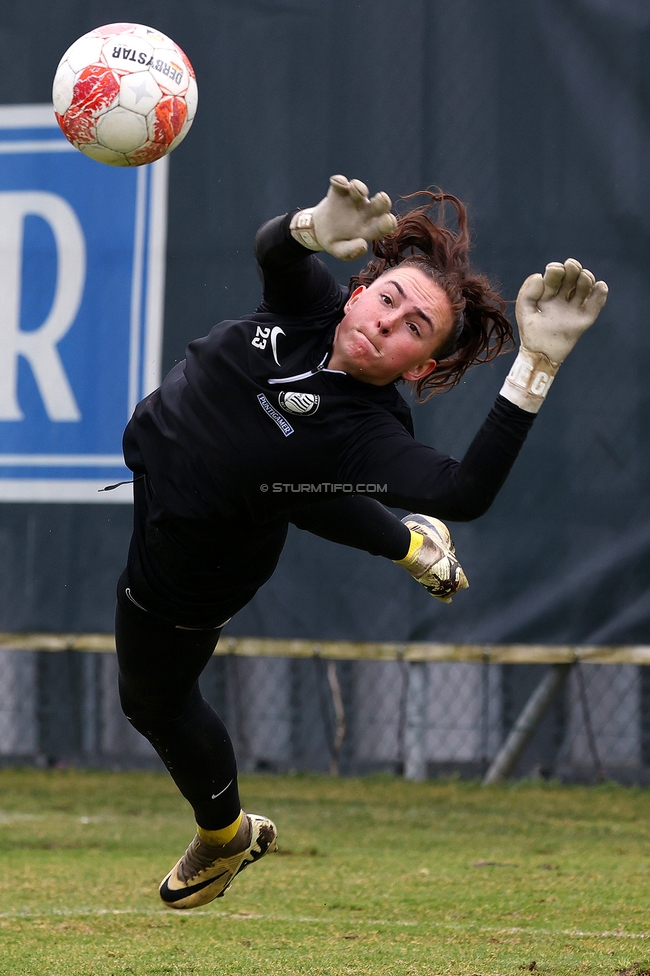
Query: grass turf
[374, 876]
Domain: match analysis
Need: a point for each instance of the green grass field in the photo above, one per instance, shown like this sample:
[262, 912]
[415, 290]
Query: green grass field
[374, 876]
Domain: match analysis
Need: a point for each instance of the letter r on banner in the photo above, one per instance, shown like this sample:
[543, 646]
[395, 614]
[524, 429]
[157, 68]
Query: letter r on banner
[38, 346]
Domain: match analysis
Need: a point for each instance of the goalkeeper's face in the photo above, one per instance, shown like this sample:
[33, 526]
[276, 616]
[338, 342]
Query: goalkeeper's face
[393, 328]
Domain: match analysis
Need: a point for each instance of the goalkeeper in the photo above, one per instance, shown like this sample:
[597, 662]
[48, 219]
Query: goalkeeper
[303, 392]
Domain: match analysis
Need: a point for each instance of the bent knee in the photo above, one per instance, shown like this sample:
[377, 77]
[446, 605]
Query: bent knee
[148, 711]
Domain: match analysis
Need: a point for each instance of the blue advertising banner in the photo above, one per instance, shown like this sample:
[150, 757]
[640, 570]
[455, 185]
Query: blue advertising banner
[82, 263]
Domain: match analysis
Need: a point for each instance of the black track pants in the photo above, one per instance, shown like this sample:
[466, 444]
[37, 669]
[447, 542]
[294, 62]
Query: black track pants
[159, 668]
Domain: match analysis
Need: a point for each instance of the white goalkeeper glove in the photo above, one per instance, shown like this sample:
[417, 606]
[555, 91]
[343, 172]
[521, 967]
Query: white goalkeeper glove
[345, 220]
[431, 558]
[552, 311]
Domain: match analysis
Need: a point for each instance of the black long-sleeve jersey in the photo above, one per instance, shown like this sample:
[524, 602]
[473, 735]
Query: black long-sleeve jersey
[253, 423]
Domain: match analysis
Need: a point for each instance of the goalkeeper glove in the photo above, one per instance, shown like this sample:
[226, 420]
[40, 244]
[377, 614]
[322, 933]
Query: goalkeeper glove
[552, 311]
[431, 558]
[345, 220]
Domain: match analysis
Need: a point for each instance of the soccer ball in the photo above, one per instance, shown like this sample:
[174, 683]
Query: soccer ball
[125, 94]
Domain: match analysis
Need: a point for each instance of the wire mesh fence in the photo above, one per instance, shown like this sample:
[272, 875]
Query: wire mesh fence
[413, 718]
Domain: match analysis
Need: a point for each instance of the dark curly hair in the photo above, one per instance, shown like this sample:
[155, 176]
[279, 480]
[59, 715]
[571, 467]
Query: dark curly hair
[481, 330]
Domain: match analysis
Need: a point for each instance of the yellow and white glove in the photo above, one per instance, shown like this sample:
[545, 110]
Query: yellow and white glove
[431, 558]
[553, 310]
[345, 220]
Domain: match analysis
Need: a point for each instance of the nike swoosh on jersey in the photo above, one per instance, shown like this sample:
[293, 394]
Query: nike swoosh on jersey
[175, 894]
[275, 332]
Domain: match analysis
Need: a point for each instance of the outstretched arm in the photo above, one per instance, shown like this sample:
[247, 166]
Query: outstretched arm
[553, 310]
[422, 546]
[418, 478]
[356, 521]
[295, 281]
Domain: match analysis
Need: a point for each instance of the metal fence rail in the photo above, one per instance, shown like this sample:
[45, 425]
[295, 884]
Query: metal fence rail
[413, 709]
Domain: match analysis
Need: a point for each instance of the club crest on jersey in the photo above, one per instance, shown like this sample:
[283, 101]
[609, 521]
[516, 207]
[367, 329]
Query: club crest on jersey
[299, 404]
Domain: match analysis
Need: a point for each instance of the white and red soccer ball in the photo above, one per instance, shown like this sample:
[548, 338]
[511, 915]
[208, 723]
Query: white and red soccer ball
[125, 94]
